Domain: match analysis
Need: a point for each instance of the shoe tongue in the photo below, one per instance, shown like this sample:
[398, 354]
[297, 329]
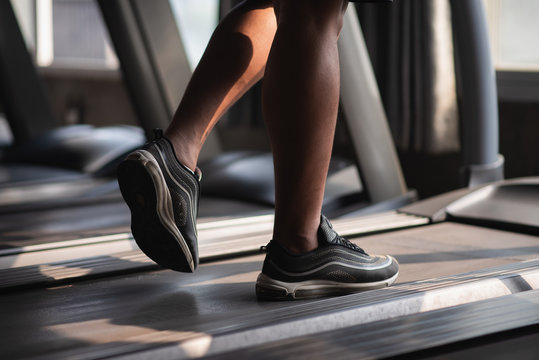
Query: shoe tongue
[326, 234]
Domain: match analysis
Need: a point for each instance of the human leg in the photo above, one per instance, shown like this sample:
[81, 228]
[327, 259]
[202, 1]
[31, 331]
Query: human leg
[306, 257]
[300, 103]
[234, 60]
[160, 182]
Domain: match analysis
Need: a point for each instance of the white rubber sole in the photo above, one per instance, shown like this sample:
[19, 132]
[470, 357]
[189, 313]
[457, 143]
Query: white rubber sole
[271, 289]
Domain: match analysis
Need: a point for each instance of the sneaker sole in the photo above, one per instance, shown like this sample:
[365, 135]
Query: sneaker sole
[271, 289]
[145, 191]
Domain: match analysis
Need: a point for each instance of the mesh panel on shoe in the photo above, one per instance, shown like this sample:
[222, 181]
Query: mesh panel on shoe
[180, 208]
[340, 276]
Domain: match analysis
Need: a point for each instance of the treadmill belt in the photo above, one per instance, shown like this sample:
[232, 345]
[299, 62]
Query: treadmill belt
[171, 315]
[410, 334]
[59, 262]
[164, 314]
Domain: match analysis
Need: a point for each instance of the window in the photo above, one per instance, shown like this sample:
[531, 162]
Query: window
[513, 29]
[65, 33]
[196, 21]
[71, 33]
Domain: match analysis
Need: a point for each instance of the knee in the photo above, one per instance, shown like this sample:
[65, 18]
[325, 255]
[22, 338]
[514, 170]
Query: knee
[319, 15]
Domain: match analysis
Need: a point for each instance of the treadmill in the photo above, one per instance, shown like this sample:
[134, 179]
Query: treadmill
[48, 166]
[468, 285]
[152, 57]
[78, 205]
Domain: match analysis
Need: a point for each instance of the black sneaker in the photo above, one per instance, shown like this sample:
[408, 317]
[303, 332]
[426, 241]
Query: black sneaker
[336, 267]
[162, 195]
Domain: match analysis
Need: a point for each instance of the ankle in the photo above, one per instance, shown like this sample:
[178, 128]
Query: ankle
[297, 244]
[297, 234]
[185, 152]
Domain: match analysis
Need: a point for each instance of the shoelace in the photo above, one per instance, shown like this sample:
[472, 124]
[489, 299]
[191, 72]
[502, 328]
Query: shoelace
[342, 241]
[338, 240]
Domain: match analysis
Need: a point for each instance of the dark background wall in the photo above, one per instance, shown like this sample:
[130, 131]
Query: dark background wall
[519, 138]
[101, 99]
[97, 98]
[519, 144]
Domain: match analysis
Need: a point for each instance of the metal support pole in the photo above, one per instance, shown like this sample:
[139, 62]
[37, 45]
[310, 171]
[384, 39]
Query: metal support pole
[153, 60]
[380, 169]
[138, 68]
[479, 112]
[27, 108]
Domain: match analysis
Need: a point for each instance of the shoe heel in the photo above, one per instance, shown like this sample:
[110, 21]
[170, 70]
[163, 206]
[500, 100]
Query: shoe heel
[269, 290]
[265, 293]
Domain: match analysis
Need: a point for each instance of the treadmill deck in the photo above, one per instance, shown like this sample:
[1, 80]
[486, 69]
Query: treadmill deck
[122, 315]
